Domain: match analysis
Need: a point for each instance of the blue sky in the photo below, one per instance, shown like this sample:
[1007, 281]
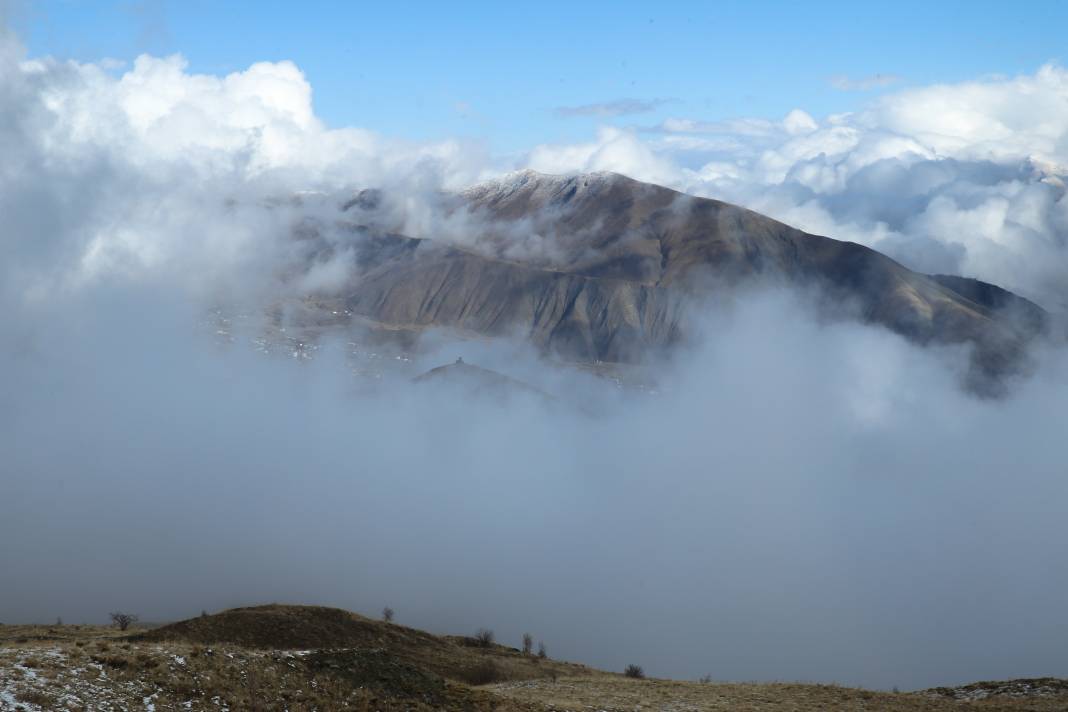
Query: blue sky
[499, 71]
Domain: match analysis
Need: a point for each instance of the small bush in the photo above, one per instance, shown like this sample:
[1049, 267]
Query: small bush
[542, 653]
[705, 679]
[528, 643]
[484, 637]
[387, 614]
[634, 671]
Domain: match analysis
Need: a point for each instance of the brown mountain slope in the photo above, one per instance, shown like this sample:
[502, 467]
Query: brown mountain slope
[600, 267]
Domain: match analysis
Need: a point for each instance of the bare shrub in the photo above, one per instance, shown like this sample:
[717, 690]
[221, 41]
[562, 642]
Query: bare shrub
[387, 614]
[634, 671]
[123, 620]
[484, 637]
[705, 679]
[542, 653]
[528, 643]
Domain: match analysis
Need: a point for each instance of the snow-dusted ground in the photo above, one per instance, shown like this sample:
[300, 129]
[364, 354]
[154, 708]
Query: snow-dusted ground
[116, 675]
[48, 679]
[1010, 689]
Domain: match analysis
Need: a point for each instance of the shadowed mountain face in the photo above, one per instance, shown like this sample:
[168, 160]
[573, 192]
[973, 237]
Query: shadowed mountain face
[600, 267]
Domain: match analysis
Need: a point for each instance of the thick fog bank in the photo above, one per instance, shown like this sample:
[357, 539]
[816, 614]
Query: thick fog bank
[799, 501]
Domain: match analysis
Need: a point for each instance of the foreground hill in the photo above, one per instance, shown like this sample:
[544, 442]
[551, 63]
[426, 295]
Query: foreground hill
[302, 658]
[600, 267]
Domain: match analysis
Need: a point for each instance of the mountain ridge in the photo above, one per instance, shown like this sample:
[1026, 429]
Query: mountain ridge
[603, 268]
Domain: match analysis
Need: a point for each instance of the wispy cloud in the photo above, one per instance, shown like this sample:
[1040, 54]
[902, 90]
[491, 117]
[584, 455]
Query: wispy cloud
[875, 81]
[618, 107]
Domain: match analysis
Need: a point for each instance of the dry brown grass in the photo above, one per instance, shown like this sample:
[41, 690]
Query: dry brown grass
[282, 627]
[24, 635]
[383, 667]
[616, 693]
[347, 662]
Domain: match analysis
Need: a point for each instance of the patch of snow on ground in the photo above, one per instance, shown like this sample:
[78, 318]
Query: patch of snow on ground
[28, 673]
[7, 700]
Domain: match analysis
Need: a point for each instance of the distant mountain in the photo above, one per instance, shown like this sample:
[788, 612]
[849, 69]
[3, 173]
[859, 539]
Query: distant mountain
[600, 267]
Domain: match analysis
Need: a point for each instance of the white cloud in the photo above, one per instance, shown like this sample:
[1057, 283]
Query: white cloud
[989, 119]
[157, 171]
[799, 122]
[257, 120]
[615, 149]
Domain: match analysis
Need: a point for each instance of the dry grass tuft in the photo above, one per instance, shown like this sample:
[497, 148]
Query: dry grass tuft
[36, 697]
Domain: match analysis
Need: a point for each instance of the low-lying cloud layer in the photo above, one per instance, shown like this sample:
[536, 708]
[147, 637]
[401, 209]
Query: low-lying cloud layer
[800, 500]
